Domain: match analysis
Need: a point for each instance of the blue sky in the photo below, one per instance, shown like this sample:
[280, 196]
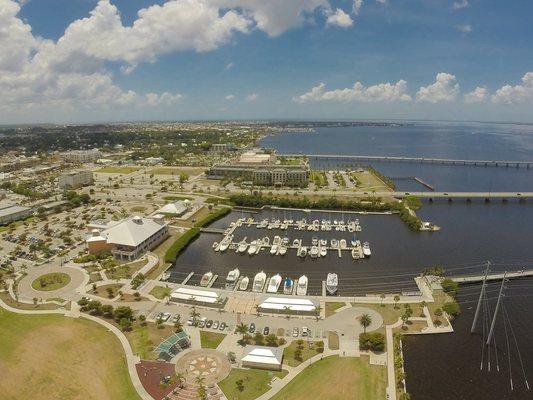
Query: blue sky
[196, 59]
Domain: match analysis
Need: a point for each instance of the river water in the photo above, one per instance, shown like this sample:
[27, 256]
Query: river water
[438, 366]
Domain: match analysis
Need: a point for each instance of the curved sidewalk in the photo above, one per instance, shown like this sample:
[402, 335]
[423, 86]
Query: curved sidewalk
[131, 359]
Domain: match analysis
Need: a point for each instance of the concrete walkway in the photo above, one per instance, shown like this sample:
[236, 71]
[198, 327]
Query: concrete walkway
[391, 377]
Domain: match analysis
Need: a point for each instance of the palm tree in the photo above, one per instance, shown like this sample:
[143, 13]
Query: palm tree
[318, 311]
[396, 300]
[382, 296]
[199, 380]
[181, 378]
[194, 315]
[365, 321]
[178, 326]
[242, 329]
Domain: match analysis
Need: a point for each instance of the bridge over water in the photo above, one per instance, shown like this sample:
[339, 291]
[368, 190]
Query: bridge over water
[339, 158]
[492, 277]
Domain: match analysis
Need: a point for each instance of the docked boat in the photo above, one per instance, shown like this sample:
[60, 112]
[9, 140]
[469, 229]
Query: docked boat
[332, 283]
[224, 245]
[314, 241]
[253, 247]
[323, 252]
[265, 241]
[356, 253]
[276, 242]
[302, 252]
[215, 246]
[296, 242]
[233, 275]
[314, 252]
[285, 241]
[334, 243]
[241, 248]
[244, 283]
[301, 287]
[206, 278]
[282, 250]
[259, 282]
[323, 242]
[358, 228]
[288, 286]
[366, 249]
[273, 284]
[342, 244]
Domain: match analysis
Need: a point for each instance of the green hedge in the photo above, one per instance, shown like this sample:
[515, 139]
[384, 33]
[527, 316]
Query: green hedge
[193, 233]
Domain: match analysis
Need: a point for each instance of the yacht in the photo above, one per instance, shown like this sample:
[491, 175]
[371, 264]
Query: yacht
[314, 241]
[323, 252]
[275, 245]
[253, 247]
[301, 287]
[288, 286]
[332, 283]
[342, 244]
[233, 275]
[366, 249]
[358, 228]
[224, 245]
[215, 246]
[285, 241]
[282, 250]
[302, 252]
[273, 284]
[259, 282]
[265, 241]
[206, 278]
[244, 283]
[334, 243]
[314, 252]
[296, 242]
[242, 246]
[323, 242]
[356, 252]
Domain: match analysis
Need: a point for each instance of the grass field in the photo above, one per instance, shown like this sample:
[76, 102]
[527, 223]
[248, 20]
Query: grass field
[255, 382]
[117, 170]
[308, 351]
[50, 357]
[331, 306]
[143, 339]
[211, 340]
[160, 292]
[52, 281]
[335, 378]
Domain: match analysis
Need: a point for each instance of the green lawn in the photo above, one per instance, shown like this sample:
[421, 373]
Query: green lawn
[211, 340]
[335, 378]
[255, 382]
[117, 170]
[331, 306]
[308, 351]
[50, 357]
[160, 292]
[143, 339]
[49, 282]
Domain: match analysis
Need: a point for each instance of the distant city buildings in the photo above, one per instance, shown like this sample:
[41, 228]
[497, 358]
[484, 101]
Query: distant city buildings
[257, 157]
[81, 156]
[128, 239]
[8, 164]
[12, 213]
[153, 160]
[222, 147]
[75, 179]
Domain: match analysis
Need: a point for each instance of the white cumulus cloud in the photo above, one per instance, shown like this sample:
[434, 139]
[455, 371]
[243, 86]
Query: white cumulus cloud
[478, 95]
[338, 18]
[444, 89]
[517, 94]
[459, 4]
[466, 28]
[357, 4]
[230, 97]
[252, 97]
[383, 92]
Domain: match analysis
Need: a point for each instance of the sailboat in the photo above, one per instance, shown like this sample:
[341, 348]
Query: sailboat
[244, 283]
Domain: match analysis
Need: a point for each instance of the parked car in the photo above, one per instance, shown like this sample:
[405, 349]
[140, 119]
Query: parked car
[176, 318]
[222, 326]
[251, 329]
[202, 322]
[190, 321]
[215, 325]
[306, 331]
[165, 316]
[295, 332]
[209, 323]
[266, 331]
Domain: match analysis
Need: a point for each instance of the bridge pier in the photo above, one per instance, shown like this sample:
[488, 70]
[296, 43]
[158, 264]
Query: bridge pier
[487, 200]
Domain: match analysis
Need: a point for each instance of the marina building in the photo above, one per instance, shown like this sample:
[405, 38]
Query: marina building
[12, 213]
[75, 179]
[81, 156]
[262, 357]
[128, 239]
[175, 209]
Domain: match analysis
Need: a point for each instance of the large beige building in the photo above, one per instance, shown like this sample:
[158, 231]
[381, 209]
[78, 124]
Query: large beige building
[81, 156]
[11, 213]
[128, 239]
[265, 175]
[75, 179]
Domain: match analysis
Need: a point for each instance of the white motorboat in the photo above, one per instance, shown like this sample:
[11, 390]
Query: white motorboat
[276, 242]
[323, 242]
[356, 253]
[282, 250]
[233, 275]
[302, 252]
[224, 245]
[273, 284]
[314, 252]
[288, 286]
[342, 244]
[314, 241]
[265, 241]
[296, 242]
[274, 249]
[323, 252]
[366, 249]
[253, 247]
[215, 246]
[334, 243]
[206, 278]
[259, 282]
[358, 228]
[301, 288]
[241, 248]
[244, 283]
[332, 283]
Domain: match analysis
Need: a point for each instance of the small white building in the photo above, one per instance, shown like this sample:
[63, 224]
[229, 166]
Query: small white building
[75, 179]
[176, 209]
[262, 357]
